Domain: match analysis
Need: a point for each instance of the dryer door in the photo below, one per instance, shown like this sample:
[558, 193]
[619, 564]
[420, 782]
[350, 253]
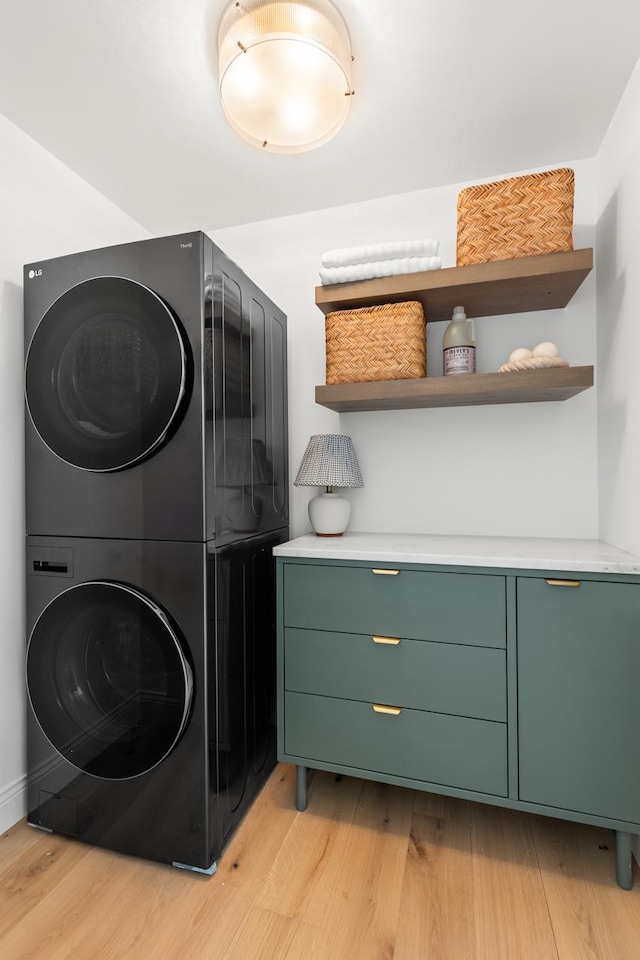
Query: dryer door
[108, 680]
[106, 374]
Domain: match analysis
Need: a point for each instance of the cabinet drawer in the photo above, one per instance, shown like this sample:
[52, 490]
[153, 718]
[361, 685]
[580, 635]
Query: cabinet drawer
[431, 747]
[440, 677]
[421, 605]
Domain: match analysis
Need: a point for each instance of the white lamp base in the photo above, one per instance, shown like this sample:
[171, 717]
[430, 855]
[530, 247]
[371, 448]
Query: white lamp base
[329, 514]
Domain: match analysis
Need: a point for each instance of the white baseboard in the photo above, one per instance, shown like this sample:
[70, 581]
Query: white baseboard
[13, 803]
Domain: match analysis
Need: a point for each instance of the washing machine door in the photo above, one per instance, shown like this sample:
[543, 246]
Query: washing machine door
[106, 374]
[108, 680]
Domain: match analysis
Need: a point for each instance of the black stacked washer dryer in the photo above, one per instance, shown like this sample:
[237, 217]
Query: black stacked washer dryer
[157, 486]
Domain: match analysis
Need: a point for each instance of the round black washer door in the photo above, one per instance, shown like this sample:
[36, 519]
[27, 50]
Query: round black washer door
[108, 680]
[105, 374]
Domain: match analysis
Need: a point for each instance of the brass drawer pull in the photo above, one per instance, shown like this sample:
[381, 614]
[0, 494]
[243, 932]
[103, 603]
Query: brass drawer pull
[384, 708]
[562, 583]
[386, 573]
[391, 641]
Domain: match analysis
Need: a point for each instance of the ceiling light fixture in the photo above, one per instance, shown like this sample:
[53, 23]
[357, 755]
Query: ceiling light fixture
[285, 72]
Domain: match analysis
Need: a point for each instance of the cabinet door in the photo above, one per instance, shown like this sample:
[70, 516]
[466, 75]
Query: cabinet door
[579, 696]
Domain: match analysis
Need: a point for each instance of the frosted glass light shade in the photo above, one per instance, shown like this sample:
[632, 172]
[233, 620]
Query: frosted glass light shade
[285, 72]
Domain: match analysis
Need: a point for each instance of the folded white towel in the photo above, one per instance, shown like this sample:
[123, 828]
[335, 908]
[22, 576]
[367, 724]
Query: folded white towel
[380, 251]
[377, 268]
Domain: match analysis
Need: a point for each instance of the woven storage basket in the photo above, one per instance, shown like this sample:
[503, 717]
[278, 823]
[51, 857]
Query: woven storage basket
[516, 217]
[387, 342]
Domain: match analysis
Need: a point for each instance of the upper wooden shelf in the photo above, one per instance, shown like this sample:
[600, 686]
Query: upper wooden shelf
[543, 282]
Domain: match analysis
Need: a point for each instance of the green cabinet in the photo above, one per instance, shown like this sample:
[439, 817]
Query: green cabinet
[515, 687]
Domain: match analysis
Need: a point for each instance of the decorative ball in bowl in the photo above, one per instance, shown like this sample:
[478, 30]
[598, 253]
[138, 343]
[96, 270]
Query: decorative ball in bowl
[544, 355]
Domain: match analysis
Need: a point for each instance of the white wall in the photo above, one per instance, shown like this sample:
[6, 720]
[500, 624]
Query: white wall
[519, 469]
[46, 210]
[618, 345]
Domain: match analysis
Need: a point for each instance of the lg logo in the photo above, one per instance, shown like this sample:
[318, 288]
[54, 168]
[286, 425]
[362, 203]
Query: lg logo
[34, 273]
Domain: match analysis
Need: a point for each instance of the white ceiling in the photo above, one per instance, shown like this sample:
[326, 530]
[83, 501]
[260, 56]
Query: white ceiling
[125, 93]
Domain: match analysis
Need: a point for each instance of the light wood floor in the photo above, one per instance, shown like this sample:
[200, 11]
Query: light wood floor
[369, 872]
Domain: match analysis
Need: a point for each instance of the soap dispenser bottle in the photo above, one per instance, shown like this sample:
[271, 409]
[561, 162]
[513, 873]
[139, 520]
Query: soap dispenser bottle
[459, 345]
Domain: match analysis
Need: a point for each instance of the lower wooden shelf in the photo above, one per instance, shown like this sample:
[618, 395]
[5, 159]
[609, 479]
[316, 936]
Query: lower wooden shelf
[525, 386]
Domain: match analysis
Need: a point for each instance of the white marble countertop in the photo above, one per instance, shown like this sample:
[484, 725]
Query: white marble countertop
[531, 553]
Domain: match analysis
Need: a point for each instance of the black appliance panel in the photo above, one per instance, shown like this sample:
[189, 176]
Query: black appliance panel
[242, 675]
[106, 373]
[247, 451]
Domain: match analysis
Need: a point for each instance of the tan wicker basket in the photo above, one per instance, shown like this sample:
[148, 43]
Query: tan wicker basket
[517, 217]
[386, 342]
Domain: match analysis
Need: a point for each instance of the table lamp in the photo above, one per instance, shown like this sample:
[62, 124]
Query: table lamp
[329, 461]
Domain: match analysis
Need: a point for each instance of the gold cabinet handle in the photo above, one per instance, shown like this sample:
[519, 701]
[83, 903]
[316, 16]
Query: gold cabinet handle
[390, 641]
[562, 583]
[386, 573]
[385, 708]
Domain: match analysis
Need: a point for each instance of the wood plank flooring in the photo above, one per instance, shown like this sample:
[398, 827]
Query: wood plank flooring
[368, 872]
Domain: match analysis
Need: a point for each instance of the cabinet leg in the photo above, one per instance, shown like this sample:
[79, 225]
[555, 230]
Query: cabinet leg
[301, 788]
[624, 865]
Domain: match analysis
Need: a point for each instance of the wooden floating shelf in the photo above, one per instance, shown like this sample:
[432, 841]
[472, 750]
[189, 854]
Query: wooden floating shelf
[543, 282]
[469, 389]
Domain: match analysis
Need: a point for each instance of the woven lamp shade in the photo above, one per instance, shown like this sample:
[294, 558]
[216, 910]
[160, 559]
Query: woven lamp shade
[329, 461]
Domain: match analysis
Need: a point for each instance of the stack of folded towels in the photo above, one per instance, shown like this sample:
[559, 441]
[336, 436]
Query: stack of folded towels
[379, 260]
